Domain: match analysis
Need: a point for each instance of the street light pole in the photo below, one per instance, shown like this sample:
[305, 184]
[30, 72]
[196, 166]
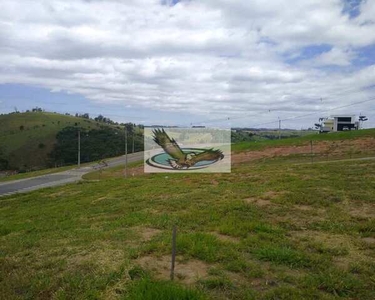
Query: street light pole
[126, 151]
[133, 142]
[279, 128]
[79, 149]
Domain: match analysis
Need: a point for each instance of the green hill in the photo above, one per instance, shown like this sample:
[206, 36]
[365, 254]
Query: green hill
[28, 138]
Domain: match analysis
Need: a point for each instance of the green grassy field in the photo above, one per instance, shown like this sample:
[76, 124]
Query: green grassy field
[266, 135]
[27, 138]
[334, 136]
[117, 171]
[268, 230]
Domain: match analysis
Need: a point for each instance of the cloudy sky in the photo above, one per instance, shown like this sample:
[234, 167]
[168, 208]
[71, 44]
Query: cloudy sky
[212, 62]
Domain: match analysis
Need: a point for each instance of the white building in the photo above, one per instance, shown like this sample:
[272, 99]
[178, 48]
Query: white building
[339, 123]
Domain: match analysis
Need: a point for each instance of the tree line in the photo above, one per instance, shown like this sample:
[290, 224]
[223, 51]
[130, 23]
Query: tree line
[96, 144]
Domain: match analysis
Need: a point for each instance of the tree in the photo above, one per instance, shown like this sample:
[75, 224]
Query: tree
[4, 164]
[99, 118]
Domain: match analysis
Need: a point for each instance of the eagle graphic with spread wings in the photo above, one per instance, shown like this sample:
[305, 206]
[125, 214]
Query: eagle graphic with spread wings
[180, 159]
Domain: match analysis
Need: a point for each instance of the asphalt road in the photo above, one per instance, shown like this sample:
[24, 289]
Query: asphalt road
[73, 175]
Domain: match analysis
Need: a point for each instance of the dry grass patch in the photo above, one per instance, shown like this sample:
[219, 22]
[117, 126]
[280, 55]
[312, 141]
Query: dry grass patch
[225, 238]
[313, 211]
[186, 271]
[269, 195]
[147, 233]
[103, 258]
[99, 199]
[369, 240]
[258, 202]
[362, 210]
[344, 249]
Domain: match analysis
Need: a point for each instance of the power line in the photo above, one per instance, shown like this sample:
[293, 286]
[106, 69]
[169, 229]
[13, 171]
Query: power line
[263, 112]
[271, 110]
[314, 113]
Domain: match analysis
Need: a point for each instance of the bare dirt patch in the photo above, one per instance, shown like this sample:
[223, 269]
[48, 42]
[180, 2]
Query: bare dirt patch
[136, 171]
[362, 210]
[98, 200]
[335, 241]
[258, 202]
[304, 207]
[327, 238]
[271, 195]
[104, 258]
[265, 199]
[322, 148]
[214, 182]
[308, 208]
[187, 272]
[225, 238]
[146, 233]
[57, 194]
[369, 240]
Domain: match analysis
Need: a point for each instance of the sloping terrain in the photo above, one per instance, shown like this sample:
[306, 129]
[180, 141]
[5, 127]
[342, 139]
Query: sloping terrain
[275, 228]
[26, 139]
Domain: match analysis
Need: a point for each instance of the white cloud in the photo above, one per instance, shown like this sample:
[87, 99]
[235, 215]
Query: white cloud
[213, 58]
[333, 57]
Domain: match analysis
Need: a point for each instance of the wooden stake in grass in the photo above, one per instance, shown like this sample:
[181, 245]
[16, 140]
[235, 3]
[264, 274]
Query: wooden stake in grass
[312, 154]
[174, 234]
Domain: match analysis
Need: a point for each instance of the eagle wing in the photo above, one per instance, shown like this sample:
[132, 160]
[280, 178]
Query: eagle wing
[209, 154]
[169, 145]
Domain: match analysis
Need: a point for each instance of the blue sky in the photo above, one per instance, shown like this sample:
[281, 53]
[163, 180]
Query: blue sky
[23, 97]
[225, 63]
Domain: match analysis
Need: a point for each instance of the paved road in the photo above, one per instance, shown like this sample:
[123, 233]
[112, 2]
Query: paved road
[49, 180]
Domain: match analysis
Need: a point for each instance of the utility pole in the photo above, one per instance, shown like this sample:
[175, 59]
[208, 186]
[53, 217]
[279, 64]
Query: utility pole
[79, 149]
[126, 151]
[133, 142]
[279, 128]
[174, 235]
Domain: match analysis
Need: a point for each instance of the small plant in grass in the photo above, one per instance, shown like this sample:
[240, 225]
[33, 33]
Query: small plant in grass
[248, 269]
[334, 282]
[215, 272]
[362, 267]
[283, 256]
[137, 272]
[323, 249]
[285, 293]
[367, 228]
[220, 283]
[205, 247]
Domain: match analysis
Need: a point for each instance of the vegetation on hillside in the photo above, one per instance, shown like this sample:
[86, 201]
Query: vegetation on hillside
[96, 144]
[28, 139]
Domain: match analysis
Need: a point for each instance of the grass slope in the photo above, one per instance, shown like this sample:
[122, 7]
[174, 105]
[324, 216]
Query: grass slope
[265, 231]
[28, 146]
[334, 136]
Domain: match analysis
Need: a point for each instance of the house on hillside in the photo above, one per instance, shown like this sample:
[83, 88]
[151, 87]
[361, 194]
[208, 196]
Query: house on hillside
[338, 123]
